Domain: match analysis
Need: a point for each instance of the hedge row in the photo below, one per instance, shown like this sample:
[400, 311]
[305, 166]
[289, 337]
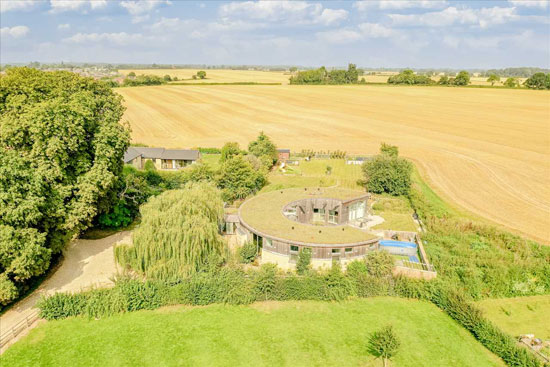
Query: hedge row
[234, 286]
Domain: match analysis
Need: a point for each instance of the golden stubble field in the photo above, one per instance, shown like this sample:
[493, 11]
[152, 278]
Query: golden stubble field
[487, 150]
[217, 75]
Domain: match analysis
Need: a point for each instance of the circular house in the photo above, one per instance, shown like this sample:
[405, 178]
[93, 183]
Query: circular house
[326, 221]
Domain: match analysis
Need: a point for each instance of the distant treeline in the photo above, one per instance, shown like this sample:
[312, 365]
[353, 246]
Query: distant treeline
[323, 76]
[524, 72]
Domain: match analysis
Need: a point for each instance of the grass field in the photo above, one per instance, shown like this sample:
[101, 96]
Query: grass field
[263, 334]
[396, 211]
[522, 315]
[218, 75]
[486, 150]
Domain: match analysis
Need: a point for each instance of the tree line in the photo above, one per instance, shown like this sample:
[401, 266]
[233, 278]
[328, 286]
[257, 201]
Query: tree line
[323, 76]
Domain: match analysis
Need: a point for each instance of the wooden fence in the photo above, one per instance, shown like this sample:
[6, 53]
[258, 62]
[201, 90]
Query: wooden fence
[21, 326]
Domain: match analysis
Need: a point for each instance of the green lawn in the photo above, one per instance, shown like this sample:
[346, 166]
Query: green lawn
[345, 175]
[396, 211]
[264, 334]
[520, 315]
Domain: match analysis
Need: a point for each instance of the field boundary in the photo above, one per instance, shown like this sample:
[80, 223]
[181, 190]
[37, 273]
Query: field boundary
[18, 328]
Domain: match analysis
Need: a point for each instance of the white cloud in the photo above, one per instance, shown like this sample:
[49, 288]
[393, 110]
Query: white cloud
[525, 39]
[483, 17]
[332, 16]
[138, 7]
[339, 36]
[6, 6]
[17, 31]
[543, 4]
[59, 6]
[363, 31]
[290, 12]
[375, 30]
[64, 26]
[399, 4]
[121, 39]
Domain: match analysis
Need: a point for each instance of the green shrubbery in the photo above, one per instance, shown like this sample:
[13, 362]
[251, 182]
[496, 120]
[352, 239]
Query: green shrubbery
[322, 76]
[248, 252]
[408, 76]
[143, 80]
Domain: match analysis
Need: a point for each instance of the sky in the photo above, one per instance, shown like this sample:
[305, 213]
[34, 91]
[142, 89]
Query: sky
[392, 34]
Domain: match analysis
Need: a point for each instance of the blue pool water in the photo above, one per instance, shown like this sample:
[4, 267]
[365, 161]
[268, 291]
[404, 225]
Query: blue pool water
[402, 244]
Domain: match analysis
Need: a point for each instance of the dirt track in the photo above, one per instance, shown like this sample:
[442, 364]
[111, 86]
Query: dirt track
[86, 263]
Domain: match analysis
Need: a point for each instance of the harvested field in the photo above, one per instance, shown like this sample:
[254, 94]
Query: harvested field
[218, 75]
[487, 150]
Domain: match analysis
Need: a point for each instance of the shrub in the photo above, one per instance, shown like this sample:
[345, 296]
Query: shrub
[229, 150]
[8, 290]
[304, 261]
[248, 252]
[379, 264]
[264, 281]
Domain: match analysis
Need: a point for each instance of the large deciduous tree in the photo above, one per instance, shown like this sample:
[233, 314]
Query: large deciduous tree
[387, 172]
[61, 148]
[263, 146]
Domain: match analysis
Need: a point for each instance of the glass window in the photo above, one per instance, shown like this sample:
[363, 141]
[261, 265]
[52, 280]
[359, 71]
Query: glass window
[268, 242]
[336, 251]
[318, 215]
[293, 248]
[349, 250]
[333, 216]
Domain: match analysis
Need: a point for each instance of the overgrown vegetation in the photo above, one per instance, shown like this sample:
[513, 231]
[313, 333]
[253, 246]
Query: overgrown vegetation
[61, 148]
[323, 76]
[483, 261]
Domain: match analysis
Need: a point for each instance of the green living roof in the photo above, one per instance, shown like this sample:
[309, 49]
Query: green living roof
[264, 214]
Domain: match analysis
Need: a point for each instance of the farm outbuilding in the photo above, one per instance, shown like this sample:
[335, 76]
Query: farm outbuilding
[283, 155]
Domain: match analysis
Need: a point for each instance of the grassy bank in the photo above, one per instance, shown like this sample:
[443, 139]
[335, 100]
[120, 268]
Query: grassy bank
[519, 315]
[263, 334]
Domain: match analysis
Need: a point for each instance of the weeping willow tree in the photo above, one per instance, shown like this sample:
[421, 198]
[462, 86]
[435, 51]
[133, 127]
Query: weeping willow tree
[178, 233]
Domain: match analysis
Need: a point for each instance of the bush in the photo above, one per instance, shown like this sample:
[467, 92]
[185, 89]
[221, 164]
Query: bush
[304, 261]
[8, 290]
[379, 264]
[248, 252]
